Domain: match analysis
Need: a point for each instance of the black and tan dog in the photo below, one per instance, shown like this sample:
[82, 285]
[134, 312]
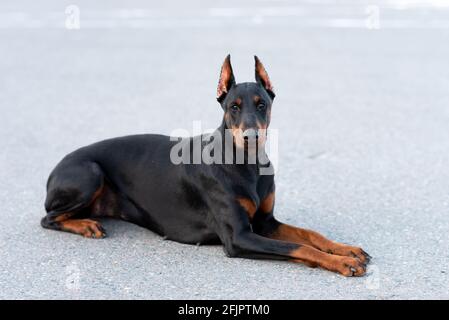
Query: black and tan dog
[134, 178]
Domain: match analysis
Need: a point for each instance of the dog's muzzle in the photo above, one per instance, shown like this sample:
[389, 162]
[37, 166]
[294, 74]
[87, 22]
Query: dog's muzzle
[250, 134]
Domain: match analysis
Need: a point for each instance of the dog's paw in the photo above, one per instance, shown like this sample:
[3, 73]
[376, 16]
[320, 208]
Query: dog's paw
[350, 251]
[94, 229]
[347, 266]
[86, 227]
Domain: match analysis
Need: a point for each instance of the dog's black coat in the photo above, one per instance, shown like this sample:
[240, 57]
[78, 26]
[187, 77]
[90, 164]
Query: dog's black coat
[190, 203]
[133, 178]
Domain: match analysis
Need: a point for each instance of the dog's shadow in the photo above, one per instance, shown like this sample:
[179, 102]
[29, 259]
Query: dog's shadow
[119, 229]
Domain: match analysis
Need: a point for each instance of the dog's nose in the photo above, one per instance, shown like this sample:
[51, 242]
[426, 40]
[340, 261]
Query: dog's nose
[250, 134]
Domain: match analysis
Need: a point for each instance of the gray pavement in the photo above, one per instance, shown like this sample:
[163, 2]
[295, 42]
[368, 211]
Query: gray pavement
[362, 115]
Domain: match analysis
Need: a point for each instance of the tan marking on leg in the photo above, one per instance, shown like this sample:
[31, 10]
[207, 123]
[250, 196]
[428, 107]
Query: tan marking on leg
[290, 233]
[97, 194]
[63, 217]
[344, 265]
[85, 227]
[311, 238]
[342, 249]
[248, 205]
[267, 204]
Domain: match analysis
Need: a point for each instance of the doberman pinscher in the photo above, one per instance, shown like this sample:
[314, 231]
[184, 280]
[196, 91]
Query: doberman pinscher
[134, 178]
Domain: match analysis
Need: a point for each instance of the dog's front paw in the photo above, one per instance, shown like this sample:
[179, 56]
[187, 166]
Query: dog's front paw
[347, 266]
[350, 251]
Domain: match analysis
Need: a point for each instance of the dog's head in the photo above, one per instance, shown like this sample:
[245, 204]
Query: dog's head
[247, 106]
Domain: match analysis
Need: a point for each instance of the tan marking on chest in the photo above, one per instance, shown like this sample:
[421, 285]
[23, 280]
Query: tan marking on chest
[248, 205]
[267, 204]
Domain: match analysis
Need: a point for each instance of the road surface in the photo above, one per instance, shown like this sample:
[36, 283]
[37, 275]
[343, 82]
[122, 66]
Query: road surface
[362, 112]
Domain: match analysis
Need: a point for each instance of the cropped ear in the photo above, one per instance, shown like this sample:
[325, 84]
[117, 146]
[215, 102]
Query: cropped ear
[227, 79]
[262, 77]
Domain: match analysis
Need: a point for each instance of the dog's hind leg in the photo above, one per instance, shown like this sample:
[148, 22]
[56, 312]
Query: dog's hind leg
[72, 188]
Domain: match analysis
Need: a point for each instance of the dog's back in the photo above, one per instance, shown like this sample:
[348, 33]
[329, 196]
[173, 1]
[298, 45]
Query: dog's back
[132, 178]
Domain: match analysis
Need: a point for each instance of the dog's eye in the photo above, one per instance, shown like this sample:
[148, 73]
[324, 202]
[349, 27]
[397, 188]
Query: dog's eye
[261, 107]
[234, 108]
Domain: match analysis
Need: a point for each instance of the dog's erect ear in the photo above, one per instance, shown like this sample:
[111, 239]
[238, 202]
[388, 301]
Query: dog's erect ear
[262, 77]
[227, 79]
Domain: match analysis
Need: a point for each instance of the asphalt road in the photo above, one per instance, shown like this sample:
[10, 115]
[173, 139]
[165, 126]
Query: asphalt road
[362, 116]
